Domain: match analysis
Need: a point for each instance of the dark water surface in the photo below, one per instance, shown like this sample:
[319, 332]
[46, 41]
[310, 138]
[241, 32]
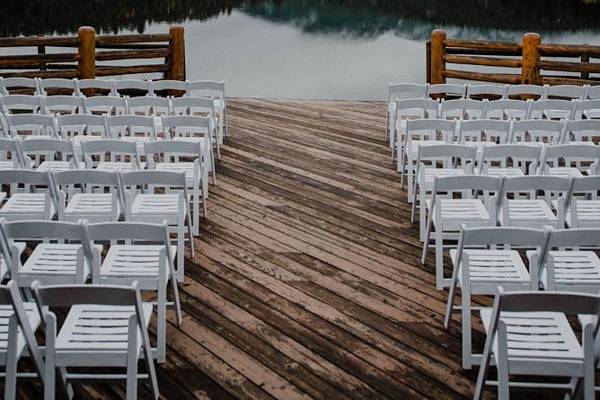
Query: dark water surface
[330, 49]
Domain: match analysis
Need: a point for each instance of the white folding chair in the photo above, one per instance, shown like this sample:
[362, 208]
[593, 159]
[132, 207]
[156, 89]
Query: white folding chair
[150, 106]
[587, 109]
[509, 109]
[397, 91]
[410, 109]
[36, 198]
[447, 90]
[57, 86]
[199, 106]
[570, 160]
[91, 195]
[143, 254]
[552, 109]
[63, 104]
[29, 125]
[529, 334]
[462, 109]
[537, 132]
[106, 326]
[91, 87]
[521, 92]
[82, 127]
[21, 103]
[171, 155]
[106, 105]
[446, 213]
[417, 133]
[484, 261]
[137, 129]
[564, 92]
[18, 321]
[143, 203]
[483, 132]
[509, 160]
[18, 84]
[564, 266]
[593, 92]
[11, 154]
[581, 131]
[168, 87]
[52, 261]
[437, 161]
[48, 154]
[216, 91]
[111, 155]
[140, 87]
[521, 205]
[486, 91]
[583, 208]
[193, 129]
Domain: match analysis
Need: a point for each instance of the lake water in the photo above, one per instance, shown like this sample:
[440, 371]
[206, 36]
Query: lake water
[337, 49]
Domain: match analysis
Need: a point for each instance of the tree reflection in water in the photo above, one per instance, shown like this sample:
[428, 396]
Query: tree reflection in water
[356, 18]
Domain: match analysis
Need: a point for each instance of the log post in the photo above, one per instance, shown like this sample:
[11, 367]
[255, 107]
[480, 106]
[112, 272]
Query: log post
[86, 65]
[585, 59]
[438, 51]
[176, 62]
[530, 71]
[428, 62]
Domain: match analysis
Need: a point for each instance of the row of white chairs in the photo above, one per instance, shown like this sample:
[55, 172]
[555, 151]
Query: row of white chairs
[528, 331]
[154, 196]
[532, 201]
[465, 109]
[486, 133]
[107, 322]
[136, 129]
[214, 90]
[151, 107]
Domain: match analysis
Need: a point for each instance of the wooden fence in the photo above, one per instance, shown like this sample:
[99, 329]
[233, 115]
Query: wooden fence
[86, 55]
[532, 61]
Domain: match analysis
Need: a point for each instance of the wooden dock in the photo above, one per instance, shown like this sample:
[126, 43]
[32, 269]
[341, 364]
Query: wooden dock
[306, 283]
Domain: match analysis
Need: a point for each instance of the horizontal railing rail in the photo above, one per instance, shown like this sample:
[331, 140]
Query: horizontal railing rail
[96, 55]
[528, 62]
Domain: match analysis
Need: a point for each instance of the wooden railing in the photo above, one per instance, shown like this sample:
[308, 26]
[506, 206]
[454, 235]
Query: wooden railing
[88, 55]
[530, 60]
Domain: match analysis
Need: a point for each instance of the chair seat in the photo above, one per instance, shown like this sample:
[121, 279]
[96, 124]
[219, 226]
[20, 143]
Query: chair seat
[461, 211]
[534, 339]
[8, 165]
[429, 174]
[579, 270]
[530, 212]
[187, 167]
[85, 204]
[565, 172]
[491, 268]
[118, 166]
[503, 172]
[26, 203]
[588, 214]
[127, 263]
[556, 114]
[97, 335]
[53, 263]
[157, 204]
[6, 311]
[58, 166]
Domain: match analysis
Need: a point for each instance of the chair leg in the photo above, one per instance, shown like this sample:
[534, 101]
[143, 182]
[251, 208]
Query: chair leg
[50, 368]
[132, 361]
[427, 236]
[439, 258]
[161, 322]
[10, 381]
[502, 364]
[196, 211]
[466, 328]
[180, 251]
[177, 301]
